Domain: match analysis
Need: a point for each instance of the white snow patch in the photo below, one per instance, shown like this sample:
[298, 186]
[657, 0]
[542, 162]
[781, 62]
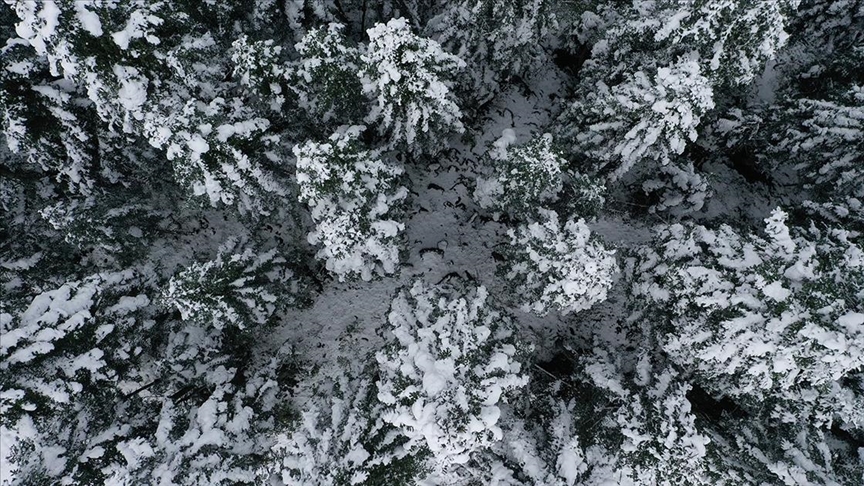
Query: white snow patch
[776, 291]
[89, 20]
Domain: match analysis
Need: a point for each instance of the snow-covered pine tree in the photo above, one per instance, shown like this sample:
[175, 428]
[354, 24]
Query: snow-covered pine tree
[63, 356]
[425, 403]
[650, 434]
[93, 369]
[408, 78]
[454, 360]
[167, 89]
[240, 288]
[542, 443]
[601, 423]
[772, 321]
[354, 198]
[817, 120]
[497, 38]
[656, 112]
[524, 177]
[655, 73]
[340, 437]
[325, 77]
[555, 267]
[792, 131]
[827, 149]
[746, 451]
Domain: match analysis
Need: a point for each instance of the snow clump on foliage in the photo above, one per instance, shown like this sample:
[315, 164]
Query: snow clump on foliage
[675, 188]
[258, 66]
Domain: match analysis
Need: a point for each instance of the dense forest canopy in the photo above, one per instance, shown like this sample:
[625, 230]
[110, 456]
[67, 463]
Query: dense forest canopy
[465, 242]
